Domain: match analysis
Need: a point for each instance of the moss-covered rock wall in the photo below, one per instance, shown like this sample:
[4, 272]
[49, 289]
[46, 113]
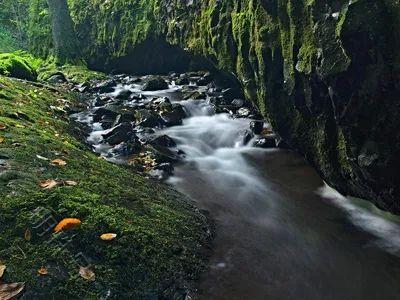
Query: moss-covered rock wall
[325, 73]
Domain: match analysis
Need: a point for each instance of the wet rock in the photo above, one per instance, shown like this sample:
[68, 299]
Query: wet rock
[121, 133]
[238, 103]
[257, 127]
[165, 167]
[243, 112]
[182, 81]
[196, 95]
[205, 80]
[57, 77]
[247, 135]
[124, 94]
[127, 148]
[147, 118]
[104, 114]
[106, 86]
[266, 142]
[163, 104]
[174, 117]
[83, 87]
[127, 117]
[155, 83]
[101, 100]
[232, 93]
[163, 140]
[164, 154]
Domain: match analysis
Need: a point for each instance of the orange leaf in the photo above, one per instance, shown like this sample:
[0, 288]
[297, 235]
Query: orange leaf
[42, 271]
[108, 237]
[9, 291]
[2, 139]
[2, 269]
[48, 184]
[87, 274]
[66, 224]
[58, 162]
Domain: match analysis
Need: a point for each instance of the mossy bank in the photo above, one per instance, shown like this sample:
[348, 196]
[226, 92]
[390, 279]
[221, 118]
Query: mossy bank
[161, 236]
[325, 73]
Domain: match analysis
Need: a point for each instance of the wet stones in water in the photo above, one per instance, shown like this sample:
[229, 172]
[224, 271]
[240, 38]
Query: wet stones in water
[164, 154]
[163, 140]
[103, 113]
[243, 112]
[155, 83]
[121, 133]
[246, 135]
[106, 86]
[195, 95]
[174, 117]
[231, 93]
[126, 148]
[266, 142]
[167, 168]
[257, 127]
[205, 80]
[183, 80]
[238, 103]
[126, 117]
[162, 104]
[147, 118]
[123, 95]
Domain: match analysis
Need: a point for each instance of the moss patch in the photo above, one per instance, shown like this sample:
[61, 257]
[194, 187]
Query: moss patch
[19, 65]
[160, 234]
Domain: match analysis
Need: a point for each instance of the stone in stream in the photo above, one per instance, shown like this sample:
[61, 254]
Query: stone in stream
[183, 80]
[238, 103]
[174, 117]
[257, 127]
[243, 112]
[125, 118]
[162, 104]
[165, 167]
[247, 135]
[266, 142]
[148, 118]
[104, 114]
[57, 77]
[121, 133]
[127, 148]
[155, 83]
[162, 140]
[232, 93]
[196, 95]
[164, 154]
[106, 86]
[124, 94]
[205, 79]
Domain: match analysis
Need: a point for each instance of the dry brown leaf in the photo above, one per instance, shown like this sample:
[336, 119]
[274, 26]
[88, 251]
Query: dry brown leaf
[28, 235]
[2, 269]
[48, 184]
[2, 139]
[66, 224]
[87, 274]
[70, 183]
[58, 162]
[43, 271]
[9, 291]
[2, 126]
[108, 237]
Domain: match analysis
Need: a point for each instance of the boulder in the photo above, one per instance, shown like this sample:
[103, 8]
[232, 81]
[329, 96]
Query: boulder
[266, 142]
[174, 117]
[155, 83]
[121, 133]
[162, 140]
[257, 127]
[106, 86]
[147, 118]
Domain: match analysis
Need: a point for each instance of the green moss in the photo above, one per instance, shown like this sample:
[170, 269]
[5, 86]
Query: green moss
[74, 73]
[160, 234]
[19, 64]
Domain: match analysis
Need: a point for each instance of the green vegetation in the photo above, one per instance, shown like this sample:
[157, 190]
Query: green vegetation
[160, 234]
[19, 65]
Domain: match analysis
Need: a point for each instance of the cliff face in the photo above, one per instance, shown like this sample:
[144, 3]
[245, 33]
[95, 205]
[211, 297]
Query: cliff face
[325, 73]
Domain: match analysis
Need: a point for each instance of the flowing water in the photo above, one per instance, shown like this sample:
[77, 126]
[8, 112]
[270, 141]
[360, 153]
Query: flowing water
[280, 232]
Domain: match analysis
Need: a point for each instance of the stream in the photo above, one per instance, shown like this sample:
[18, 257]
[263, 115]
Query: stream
[281, 233]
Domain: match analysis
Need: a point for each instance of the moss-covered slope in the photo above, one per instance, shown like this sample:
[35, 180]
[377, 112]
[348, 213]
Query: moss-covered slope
[160, 234]
[325, 73]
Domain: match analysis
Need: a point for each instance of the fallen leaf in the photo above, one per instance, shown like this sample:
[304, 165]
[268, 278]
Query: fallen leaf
[19, 126]
[3, 127]
[27, 235]
[58, 162]
[9, 291]
[70, 183]
[42, 157]
[2, 269]
[43, 271]
[48, 184]
[2, 139]
[108, 237]
[87, 274]
[66, 224]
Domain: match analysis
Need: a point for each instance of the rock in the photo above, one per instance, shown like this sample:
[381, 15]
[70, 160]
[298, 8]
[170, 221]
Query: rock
[243, 112]
[147, 118]
[205, 80]
[82, 88]
[106, 86]
[163, 104]
[127, 148]
[125, 118]
[100, 101]
[104, 114]
[164, 154]
[121, 133]
[247, 135]
[182, 81]
[196, 95]
[57, 77]
[238, 103]
[257, 127]
[155, 83]
[124, 94]
[232, 93]
[165, 167]
[163, 140]
[174, 117]
[266, 142]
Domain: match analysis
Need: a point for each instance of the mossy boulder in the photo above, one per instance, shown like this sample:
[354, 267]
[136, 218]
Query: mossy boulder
[161, 236]
[19, 65]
